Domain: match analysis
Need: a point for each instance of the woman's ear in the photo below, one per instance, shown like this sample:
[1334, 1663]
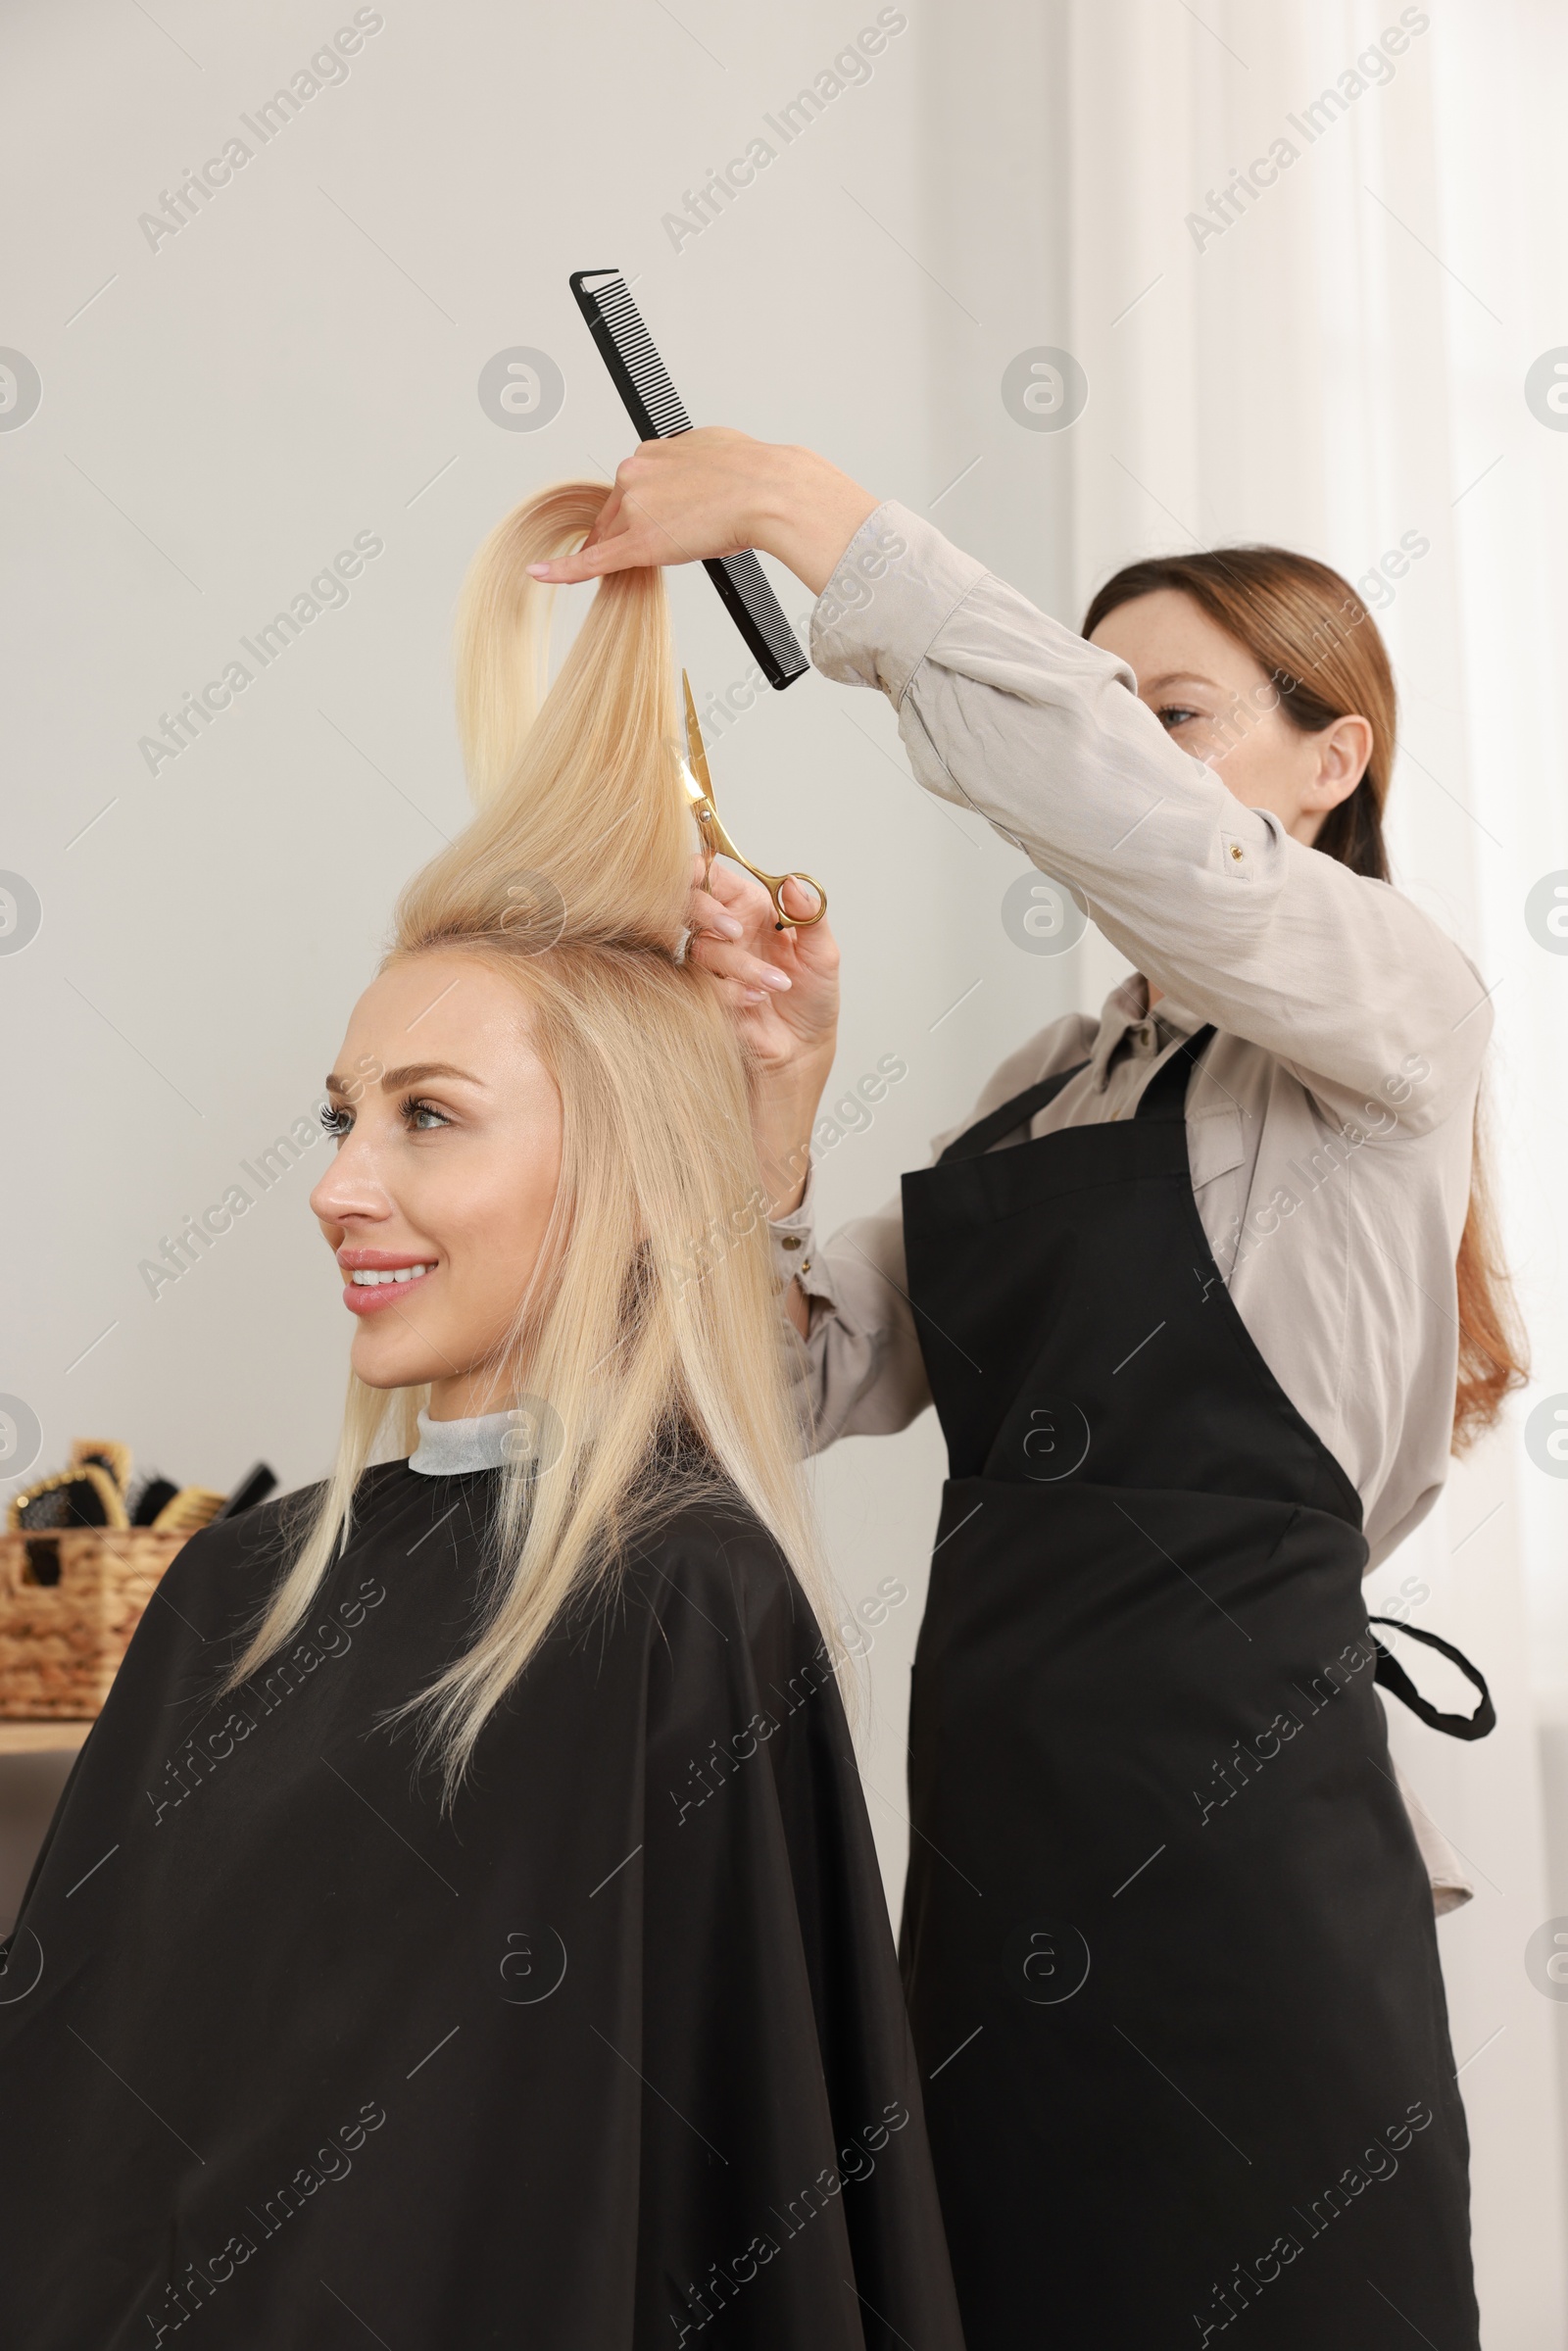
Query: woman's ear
[1343, 748]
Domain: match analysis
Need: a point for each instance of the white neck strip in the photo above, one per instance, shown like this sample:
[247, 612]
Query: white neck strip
[449, 1449]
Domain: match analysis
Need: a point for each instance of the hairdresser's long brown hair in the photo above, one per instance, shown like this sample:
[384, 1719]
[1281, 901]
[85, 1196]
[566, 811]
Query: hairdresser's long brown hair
[1318, 643]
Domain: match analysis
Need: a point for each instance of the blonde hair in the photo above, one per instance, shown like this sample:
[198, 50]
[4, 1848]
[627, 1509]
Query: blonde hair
[650, 1332]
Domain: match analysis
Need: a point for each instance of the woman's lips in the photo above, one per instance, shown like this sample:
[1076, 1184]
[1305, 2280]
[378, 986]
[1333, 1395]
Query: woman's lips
[386, 1293]
[393, 1278]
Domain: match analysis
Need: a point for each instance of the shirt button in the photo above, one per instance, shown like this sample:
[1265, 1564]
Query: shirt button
[792, 1241]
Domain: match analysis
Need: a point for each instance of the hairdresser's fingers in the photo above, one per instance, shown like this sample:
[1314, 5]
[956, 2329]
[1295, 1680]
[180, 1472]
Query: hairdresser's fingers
[626, 536]
[707, 909]
[734, 942]
[704, 913]
[641, 543]
[617, 554]
[735, 888]
[734, 963]
[604, 548]
[607, 522]
[788, 1031]
[708, 916]
[741, 908]
[682, 501]
[742, 959]
[808, 953]
[742, 895]
[800, 899]
[729, 947]
[783, 1026]
[817, 950]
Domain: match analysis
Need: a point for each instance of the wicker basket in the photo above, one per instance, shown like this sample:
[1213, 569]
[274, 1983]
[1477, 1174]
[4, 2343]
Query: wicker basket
[68, 1605]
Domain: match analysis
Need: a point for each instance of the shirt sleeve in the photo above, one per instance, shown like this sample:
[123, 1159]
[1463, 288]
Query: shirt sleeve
[1005, 712]
[1450, 1880]
[859, 1371]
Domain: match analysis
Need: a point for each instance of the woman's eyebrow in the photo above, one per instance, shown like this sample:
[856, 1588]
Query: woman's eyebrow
[1175, 677]
[414, 1071]
[392, 1078]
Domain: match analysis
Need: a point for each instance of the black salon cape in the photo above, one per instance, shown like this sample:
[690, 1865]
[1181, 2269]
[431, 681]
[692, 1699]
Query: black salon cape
[612, 2055]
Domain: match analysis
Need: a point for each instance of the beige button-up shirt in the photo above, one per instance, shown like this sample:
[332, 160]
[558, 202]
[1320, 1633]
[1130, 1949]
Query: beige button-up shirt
[1329, 1128]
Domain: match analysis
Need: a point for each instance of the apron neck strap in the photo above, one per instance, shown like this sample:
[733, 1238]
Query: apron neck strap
[1018, 1112]
[1165, 1095]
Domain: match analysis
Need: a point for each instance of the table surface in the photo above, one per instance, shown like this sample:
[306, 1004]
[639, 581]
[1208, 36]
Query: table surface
[41, 1738]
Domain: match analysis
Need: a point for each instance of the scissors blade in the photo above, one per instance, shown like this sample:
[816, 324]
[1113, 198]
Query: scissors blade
[696, 753]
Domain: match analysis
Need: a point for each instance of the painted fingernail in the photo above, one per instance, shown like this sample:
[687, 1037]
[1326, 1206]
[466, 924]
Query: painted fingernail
[727, 926]
[753, 996]
[538, 570]
[778, 981]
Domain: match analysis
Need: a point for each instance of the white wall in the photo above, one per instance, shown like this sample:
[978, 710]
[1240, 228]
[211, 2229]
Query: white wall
[300, 362]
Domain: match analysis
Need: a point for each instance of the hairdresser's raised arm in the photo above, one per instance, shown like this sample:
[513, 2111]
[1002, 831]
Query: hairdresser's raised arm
[714, 492]
[1005, 712]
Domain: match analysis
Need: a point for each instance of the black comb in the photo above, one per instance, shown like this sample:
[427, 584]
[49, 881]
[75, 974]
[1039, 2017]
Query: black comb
[659, 413]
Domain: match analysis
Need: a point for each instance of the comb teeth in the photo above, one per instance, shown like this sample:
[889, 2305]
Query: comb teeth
[747, 578]
[657, 407]
[623, 322]
[658, 412]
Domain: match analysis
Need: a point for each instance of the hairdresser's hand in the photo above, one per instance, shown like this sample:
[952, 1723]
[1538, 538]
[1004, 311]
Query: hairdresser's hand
[783, 992]
[714, 492]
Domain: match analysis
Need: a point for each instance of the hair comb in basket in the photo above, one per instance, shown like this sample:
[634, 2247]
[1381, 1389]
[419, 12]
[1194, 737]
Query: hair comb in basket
[656, 410]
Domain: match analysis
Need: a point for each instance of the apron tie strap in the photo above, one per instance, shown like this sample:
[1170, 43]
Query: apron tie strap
[1018, 1113]
[1391, 1675]
[1163, 1096]
[1165, 1093]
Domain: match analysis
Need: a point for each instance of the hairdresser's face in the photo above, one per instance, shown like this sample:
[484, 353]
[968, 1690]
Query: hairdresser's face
[445, 1175]
[1219, 704]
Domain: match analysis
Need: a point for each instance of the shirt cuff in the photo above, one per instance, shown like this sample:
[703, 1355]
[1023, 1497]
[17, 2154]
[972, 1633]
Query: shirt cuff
[895, 585]
[795, 1252]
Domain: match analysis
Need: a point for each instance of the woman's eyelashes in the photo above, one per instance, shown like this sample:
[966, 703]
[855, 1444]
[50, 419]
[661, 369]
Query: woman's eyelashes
[418, 1118]
[1172, 714]
[421, 1117]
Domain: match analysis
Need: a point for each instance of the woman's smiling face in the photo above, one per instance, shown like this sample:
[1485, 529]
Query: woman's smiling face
[448, 1159]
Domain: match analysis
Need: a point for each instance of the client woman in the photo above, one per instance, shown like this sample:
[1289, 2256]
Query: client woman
[461, 1925]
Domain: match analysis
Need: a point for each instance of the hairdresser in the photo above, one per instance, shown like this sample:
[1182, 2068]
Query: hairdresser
[1203, 1293]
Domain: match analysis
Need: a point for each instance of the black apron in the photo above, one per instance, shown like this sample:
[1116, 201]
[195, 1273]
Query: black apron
[1168, 1941]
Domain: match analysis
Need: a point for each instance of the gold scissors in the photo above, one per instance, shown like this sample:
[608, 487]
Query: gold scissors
[700, 791]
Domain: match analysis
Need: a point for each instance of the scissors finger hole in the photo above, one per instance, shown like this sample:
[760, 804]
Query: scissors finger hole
[798, 922]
